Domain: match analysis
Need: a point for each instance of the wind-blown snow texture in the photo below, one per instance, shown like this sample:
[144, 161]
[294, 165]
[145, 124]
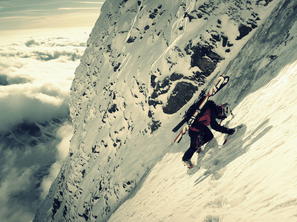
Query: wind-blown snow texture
[145, 63]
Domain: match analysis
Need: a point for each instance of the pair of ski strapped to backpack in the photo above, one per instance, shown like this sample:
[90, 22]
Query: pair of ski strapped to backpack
[218, 85]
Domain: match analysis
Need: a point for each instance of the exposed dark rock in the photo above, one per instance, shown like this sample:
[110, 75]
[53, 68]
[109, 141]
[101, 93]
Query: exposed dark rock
[199, 15]
[154, 103]
[85, 216]
[162, 87]
[95, 149]
[113, 108]
[225, 41]
[229, 44]
[214, 56]
[83, 173]
[155, 125]
[170, 62]
[273, 57]
[253, 24]
[175, 76]
[107, 209]
[116, 66]
[189, 16]
[181, 94]
[56, 206]
[199, 51]
[188, 48]
[150, 114]
[179, 52]
[65, 211]
[206, 65]
[109, 48]
[153, 81]
[122, 3]
[263, 2]
[216, 37]
[243, 31]
[146, 27]
[153, 14]
[198, 77]
[203, 57]
[131, 39]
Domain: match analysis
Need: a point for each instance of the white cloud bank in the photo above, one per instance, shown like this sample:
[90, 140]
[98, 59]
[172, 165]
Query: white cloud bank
[65, 134]
[16, 108]
[36, 73]
[36, 77]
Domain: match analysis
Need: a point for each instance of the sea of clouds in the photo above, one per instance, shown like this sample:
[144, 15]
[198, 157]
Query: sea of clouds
[36, 72]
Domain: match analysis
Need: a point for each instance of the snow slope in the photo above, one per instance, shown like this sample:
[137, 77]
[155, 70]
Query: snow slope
[251, 178]
[145, 63]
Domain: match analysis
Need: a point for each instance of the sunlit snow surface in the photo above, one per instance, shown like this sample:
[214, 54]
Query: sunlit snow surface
[251, 178]
[36, 71]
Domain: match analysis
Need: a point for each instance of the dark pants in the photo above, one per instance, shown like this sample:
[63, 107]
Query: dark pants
[199, 138]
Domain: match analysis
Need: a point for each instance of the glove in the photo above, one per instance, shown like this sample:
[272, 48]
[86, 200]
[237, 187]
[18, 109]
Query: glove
[231, 131]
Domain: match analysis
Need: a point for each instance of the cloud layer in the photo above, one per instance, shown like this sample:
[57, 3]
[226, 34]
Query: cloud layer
[35, 77]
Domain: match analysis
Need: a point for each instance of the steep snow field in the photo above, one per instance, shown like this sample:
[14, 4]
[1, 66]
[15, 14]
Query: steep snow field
[145, 63]
[251, 178]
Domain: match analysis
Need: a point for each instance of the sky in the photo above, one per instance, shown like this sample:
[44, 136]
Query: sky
[34, 14]
[41, 43]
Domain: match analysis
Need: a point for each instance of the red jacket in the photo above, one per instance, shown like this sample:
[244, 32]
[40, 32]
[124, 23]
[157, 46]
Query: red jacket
[208, 116]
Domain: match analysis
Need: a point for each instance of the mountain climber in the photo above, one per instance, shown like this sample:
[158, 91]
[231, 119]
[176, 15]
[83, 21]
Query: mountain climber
[199, 131]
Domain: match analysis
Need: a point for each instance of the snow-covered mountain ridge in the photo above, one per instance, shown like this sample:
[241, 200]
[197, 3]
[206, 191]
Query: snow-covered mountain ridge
[144, 62]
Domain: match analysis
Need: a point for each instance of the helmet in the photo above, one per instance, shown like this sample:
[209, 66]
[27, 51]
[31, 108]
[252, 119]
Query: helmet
[224, 111]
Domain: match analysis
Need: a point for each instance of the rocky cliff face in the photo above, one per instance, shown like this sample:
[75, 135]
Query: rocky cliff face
[144, 62]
